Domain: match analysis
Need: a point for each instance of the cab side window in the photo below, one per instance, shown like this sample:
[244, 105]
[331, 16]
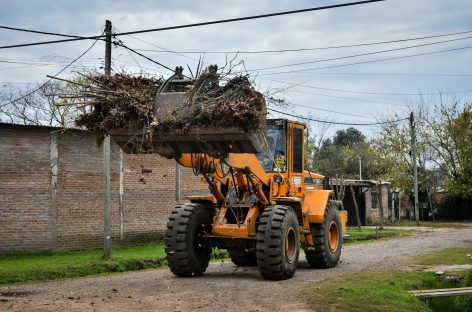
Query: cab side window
[297, 150]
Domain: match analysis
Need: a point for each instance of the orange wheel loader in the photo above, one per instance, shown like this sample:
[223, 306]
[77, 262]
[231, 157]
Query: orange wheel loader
[263, 205]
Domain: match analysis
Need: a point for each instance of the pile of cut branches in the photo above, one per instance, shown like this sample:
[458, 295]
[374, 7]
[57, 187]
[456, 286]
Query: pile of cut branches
[233, 104]
[123, 101]
[119, 101]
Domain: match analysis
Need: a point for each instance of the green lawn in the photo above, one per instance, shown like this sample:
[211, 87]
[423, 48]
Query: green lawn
[42, 266]
[24, 267]
[372, 291]
[366, 235]
[388, 291]
[449, 256]
[455, 225]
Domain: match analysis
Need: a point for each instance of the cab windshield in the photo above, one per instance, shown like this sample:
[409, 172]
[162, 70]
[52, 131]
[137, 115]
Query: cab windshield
[274, 156]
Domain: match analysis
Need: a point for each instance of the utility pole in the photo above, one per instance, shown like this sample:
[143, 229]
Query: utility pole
[106, 159]
[360, 168]
[415, 169]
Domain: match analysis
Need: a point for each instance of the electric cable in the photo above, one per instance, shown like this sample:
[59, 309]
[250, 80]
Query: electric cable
[49, 80]
[330, 111]
[359, 55]
[364, 62]
[238, 19]
[336, 122]
[121, 44]
[369, 93]
[42, 32]
[308, 49]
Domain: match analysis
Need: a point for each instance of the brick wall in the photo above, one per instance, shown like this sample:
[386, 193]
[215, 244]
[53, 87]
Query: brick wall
[25, 181]
[51, 191]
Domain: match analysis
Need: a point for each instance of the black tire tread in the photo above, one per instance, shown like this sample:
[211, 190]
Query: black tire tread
[322, 257]
[179, 255]
[270, 243]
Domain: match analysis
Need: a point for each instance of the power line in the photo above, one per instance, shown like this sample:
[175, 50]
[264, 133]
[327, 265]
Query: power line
[162, 49]
[239, 19]
[121, 44]
[364, 62]
[48, 42]
[359, 55]
[306, 49]
[335, 122]
[396, 74]
[330, 111]
[370, 93]
[230, 20]
[42, 32]
[47, 81]
[349, 98]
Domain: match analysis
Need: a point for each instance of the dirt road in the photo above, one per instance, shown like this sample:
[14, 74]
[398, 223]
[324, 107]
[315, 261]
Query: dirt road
[221, 288]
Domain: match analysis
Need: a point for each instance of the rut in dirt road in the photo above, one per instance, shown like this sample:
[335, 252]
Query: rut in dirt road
[222, 288]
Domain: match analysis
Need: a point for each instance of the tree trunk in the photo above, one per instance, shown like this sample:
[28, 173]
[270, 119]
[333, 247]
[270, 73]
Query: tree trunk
[359, 226]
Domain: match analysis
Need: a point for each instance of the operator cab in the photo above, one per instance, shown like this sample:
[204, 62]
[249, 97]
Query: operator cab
[274, 152]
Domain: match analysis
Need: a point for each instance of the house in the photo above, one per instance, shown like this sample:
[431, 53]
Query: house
[365, 192]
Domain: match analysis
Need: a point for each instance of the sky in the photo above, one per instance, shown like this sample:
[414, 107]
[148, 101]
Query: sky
[333, 90]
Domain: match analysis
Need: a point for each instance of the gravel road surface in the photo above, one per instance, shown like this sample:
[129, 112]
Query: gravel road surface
[224, 287]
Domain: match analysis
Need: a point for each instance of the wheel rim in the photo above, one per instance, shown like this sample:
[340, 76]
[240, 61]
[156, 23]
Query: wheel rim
[290, 245]
[333, 236]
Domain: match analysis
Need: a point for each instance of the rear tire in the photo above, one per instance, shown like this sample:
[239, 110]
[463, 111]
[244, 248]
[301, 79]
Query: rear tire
[243, 257]
[278, 243]
[187, 253]
[328, 240]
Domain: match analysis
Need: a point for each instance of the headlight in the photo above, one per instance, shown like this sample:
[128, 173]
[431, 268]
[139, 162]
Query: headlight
[278, 179]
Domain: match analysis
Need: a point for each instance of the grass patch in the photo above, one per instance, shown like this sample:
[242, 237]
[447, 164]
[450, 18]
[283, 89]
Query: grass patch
[388, 291]
[358, 236]
[382, 291]
[43, 266]
[449, 256]
[373, 291]
[452, 224]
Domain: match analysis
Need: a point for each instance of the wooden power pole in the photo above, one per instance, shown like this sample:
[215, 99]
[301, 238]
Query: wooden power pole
[415, 169]
[106, 159]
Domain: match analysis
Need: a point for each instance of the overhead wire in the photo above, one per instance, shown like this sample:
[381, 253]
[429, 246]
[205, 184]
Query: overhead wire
[359, 55]
[44, 32]
[238, 19]
[367, 92]
[396, 74]
[330, 111]
[229, 20]
[309, 49]
[363, 62]
[49, 80]
[162, 49]
[336, 122]
[121, 44]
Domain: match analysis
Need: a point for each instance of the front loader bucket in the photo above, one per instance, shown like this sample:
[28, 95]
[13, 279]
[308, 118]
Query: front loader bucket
[171, 143]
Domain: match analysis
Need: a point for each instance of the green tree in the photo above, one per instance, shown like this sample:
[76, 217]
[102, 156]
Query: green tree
[339, 155]
[459, 130]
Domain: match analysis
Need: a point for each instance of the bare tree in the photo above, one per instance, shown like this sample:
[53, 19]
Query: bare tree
[47, 106]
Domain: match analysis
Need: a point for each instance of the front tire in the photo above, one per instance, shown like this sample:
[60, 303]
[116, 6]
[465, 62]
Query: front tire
[328, 240]
[278, 243]
[187, 253]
